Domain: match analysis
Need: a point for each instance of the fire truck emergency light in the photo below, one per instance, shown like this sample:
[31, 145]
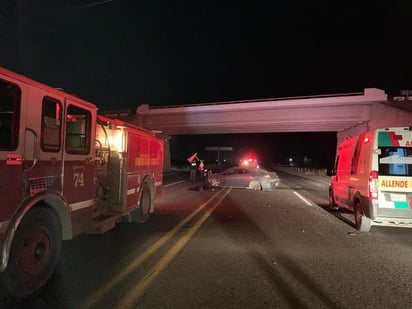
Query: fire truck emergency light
[116, 141]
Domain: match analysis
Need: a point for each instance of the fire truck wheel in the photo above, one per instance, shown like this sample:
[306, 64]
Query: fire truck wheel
[142, 213]
[34, 253]
[362, 223]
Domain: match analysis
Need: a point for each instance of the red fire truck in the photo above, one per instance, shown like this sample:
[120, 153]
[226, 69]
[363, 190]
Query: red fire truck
[64, 171]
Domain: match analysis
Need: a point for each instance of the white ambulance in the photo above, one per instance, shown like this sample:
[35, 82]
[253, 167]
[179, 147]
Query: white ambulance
[373, 178]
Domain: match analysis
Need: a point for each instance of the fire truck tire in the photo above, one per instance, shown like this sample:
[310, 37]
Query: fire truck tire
[142, 213]
[362, 223]
[34, 253]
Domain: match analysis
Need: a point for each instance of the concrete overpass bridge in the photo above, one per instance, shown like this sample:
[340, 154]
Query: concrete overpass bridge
[350, 113]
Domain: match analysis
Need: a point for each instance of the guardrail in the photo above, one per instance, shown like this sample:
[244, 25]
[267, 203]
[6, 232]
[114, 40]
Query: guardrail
[303, 170]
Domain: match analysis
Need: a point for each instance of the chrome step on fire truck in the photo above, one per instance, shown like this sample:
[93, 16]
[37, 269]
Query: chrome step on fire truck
[64, 171]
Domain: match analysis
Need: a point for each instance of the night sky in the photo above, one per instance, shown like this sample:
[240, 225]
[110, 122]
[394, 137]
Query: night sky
[306, 149]
[123, 53]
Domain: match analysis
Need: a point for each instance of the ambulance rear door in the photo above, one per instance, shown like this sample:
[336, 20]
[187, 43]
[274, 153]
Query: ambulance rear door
[395, 173]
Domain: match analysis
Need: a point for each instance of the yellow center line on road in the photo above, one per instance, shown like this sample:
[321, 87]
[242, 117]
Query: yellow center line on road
[101, 292]
[132, 297]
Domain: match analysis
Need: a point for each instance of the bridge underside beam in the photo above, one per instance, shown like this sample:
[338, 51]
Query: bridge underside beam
[303, 119]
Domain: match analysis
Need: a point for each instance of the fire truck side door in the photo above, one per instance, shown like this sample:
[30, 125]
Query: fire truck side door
[78, 187]
[11, 148]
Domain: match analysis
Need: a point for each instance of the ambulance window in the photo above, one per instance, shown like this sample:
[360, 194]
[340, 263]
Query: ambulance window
[51, 125]
[78, 130]
[356, 156]
[10, 95]
[336, 163]
[395, 161]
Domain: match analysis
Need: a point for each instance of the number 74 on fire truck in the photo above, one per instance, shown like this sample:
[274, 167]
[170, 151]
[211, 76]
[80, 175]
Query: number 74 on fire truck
[64, 171]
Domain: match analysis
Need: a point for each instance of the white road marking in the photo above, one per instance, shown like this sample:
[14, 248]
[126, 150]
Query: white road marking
[302, 198]
[173, 183]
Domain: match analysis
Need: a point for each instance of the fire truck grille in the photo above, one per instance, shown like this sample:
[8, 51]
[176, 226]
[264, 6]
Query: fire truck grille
[43, 183]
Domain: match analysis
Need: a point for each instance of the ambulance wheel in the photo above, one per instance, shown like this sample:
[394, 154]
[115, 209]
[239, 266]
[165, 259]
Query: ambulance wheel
[255, 185]
[332, 204]
[362, 223]
[34, 253]
[142, 213]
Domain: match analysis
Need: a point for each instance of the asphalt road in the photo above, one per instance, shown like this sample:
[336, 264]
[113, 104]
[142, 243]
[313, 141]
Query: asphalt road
[234, 249]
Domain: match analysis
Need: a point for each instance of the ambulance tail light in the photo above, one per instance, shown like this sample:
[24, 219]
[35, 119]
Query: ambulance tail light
[373, 185]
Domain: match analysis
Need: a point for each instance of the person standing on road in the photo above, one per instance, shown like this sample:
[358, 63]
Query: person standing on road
[193, 170]
[201, 169]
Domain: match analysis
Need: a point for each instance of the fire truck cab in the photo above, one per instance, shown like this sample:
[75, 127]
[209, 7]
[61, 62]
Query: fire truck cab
[64, 171]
